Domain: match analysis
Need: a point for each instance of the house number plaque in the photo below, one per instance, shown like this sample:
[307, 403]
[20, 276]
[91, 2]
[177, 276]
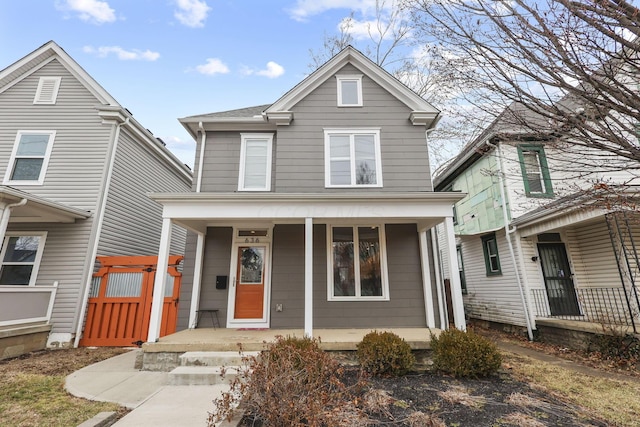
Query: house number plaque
[252, 240]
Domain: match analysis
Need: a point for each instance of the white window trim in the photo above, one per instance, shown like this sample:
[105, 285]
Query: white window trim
[356, 260]
[349, 77]
[45, 161]
[351, 133]
[56, 87]
[36, 262]
[243, 152]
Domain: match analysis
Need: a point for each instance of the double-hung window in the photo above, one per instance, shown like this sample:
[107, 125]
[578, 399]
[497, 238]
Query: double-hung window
[349, 90]
[21, 255]
[30, 157]
[491, 258]
[352, 158]
[535, 171]
[255, 162]
[357, 263]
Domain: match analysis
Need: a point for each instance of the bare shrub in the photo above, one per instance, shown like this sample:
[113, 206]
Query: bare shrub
[293, 382]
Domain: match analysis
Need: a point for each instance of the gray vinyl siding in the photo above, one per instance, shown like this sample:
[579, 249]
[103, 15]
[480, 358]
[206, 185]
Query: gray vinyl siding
[80, 145]
[132, 221]
[58, 265]
[217, 260]
[492, 298]
[405, 307]
[73, 177]
[298, 151]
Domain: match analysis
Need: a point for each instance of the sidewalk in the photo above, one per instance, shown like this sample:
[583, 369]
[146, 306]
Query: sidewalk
[154, 402]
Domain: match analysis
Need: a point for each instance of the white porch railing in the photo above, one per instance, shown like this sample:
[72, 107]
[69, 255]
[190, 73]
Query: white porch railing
[26, 304]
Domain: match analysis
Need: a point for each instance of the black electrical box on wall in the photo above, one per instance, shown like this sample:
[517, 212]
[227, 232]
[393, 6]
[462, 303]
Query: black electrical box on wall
[221, 282]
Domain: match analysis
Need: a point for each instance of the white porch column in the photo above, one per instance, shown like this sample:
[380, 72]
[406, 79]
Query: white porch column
[308, 277]
[197, 281]
[426, 279]
[436, 261]
[454, 277]
[160, 282]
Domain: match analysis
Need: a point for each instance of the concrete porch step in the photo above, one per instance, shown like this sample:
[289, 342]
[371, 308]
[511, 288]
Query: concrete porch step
[202, 375]
[214, 358]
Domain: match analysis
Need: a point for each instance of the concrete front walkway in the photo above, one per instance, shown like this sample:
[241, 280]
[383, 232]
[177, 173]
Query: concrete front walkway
[154, 403]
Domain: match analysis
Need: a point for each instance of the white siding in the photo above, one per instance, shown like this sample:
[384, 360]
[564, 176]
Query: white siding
[491, 298]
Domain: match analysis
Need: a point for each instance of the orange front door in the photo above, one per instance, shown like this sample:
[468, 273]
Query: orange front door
[250, 282]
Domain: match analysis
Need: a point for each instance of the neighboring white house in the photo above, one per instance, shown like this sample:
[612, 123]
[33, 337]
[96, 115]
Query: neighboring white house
[76, 168]
[533, 243]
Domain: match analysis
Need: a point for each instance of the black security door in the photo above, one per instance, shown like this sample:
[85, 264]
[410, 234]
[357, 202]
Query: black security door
[558, 279]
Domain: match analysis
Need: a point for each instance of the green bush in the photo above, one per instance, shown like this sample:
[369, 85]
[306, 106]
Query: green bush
[385, 353]
[292, 383]
[465, 354]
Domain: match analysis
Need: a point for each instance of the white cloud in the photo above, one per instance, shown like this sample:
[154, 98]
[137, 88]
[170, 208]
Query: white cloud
[183, 149]
[192, 13]
[213, 66]
[94, 11]
[273, 70]
[122, 54]
[304, 9]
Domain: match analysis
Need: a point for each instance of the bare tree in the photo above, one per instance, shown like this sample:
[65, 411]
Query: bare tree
[573, 66]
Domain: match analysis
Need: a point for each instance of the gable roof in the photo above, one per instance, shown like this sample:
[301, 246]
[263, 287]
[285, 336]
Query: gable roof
[109, 108]
[422, 111]
[40, 57]
[278, 113]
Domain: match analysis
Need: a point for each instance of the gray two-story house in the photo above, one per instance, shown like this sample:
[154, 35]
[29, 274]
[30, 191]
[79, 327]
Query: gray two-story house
[75, 169]
[315, 211]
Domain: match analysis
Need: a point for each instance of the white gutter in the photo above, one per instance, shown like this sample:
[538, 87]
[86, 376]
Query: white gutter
[102, 207]
[203, 134]
[6, 214]
[508, 232]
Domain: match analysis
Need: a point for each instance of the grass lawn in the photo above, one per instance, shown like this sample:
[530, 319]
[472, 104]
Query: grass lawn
[613, 400]
[32, 388]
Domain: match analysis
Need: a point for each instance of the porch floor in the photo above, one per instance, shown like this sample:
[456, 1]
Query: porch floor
[209, 339]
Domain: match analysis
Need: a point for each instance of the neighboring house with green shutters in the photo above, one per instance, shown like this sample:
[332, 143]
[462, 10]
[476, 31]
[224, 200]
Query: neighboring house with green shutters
[76, 168]
[535, 247]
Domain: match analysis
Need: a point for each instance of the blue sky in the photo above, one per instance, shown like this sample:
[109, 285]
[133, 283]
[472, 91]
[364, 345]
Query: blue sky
[165, 59]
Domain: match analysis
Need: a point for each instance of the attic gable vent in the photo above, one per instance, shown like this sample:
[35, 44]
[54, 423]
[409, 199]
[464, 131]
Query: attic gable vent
[47, 91]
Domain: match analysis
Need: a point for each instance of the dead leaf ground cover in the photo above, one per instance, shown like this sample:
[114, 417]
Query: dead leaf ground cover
[32, 388]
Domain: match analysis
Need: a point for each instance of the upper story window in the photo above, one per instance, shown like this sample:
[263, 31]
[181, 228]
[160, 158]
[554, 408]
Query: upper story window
[491, 258]
[352, 158]
[349, 90]
[47, 91]
[535, 171]
[357, 259]
[255, 162]
[30, 157]
[21, 255]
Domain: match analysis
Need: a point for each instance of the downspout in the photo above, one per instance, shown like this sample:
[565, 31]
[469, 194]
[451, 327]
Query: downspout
[203, 135]
[96, 239]
[508, 231]
[6, 214]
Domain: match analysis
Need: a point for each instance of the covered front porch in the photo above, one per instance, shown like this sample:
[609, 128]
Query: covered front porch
[318, 261]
